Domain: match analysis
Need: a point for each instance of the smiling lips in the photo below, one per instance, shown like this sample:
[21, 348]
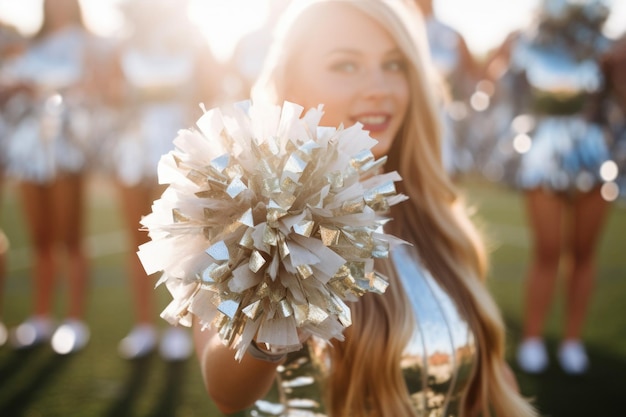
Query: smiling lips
[374, 122]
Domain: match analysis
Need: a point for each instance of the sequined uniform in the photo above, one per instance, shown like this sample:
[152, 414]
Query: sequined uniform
[437, 363]
[444, 45]
[556, 146]
[49, 131]
[158, 81]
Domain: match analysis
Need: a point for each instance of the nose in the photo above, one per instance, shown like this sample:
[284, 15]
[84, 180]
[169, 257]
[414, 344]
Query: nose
[376, 84]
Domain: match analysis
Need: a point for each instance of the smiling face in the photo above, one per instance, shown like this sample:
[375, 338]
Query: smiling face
[355, 69]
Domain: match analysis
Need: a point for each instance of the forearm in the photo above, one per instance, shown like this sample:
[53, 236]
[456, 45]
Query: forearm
[231, 384]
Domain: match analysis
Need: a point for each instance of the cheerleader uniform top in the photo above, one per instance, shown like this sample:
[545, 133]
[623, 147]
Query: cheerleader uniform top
[159, 80]
[560, 148]
[444, 44]
[437, 363]
[51, 134]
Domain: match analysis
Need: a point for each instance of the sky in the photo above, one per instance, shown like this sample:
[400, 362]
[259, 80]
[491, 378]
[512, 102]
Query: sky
[483, 23]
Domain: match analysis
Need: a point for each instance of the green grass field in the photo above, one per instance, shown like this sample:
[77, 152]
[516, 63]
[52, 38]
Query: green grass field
[96, 382]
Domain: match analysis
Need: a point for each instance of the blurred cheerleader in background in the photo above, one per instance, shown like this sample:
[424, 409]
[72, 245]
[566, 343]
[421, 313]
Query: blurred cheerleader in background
[460, 75]
[559, 156]
[11, 43]
[48, 152]
[162, 71]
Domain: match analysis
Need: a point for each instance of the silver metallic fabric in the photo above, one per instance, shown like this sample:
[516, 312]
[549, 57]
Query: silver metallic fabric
[566, 154]
[158, 83]
[50, 133]
[445, 50]
[437, 363]
[550, 142]
[566, 151]
[443, 42]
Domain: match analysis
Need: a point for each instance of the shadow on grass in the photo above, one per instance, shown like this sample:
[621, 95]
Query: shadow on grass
[24, 375]
[130, 392]
[169, 396]
[171, 392]
[599, 392]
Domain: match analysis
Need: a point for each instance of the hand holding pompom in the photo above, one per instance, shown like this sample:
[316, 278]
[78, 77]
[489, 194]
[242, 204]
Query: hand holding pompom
[269, 224]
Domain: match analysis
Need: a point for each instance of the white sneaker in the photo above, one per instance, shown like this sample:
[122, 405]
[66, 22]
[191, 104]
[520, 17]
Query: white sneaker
[175, 344]
[70, 337]
[32, 332]
[139, 342]
[4, 334]
[573, 357]
[532, 356]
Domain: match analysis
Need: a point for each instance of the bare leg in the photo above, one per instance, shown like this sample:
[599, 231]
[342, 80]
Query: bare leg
[175, 344]
[589, 215]
[4, 247]
[39, 219]
[545, 214]
[69, 216]
[136, 203]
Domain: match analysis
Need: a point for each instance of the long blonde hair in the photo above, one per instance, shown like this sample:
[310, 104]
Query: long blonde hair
[369, 380]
